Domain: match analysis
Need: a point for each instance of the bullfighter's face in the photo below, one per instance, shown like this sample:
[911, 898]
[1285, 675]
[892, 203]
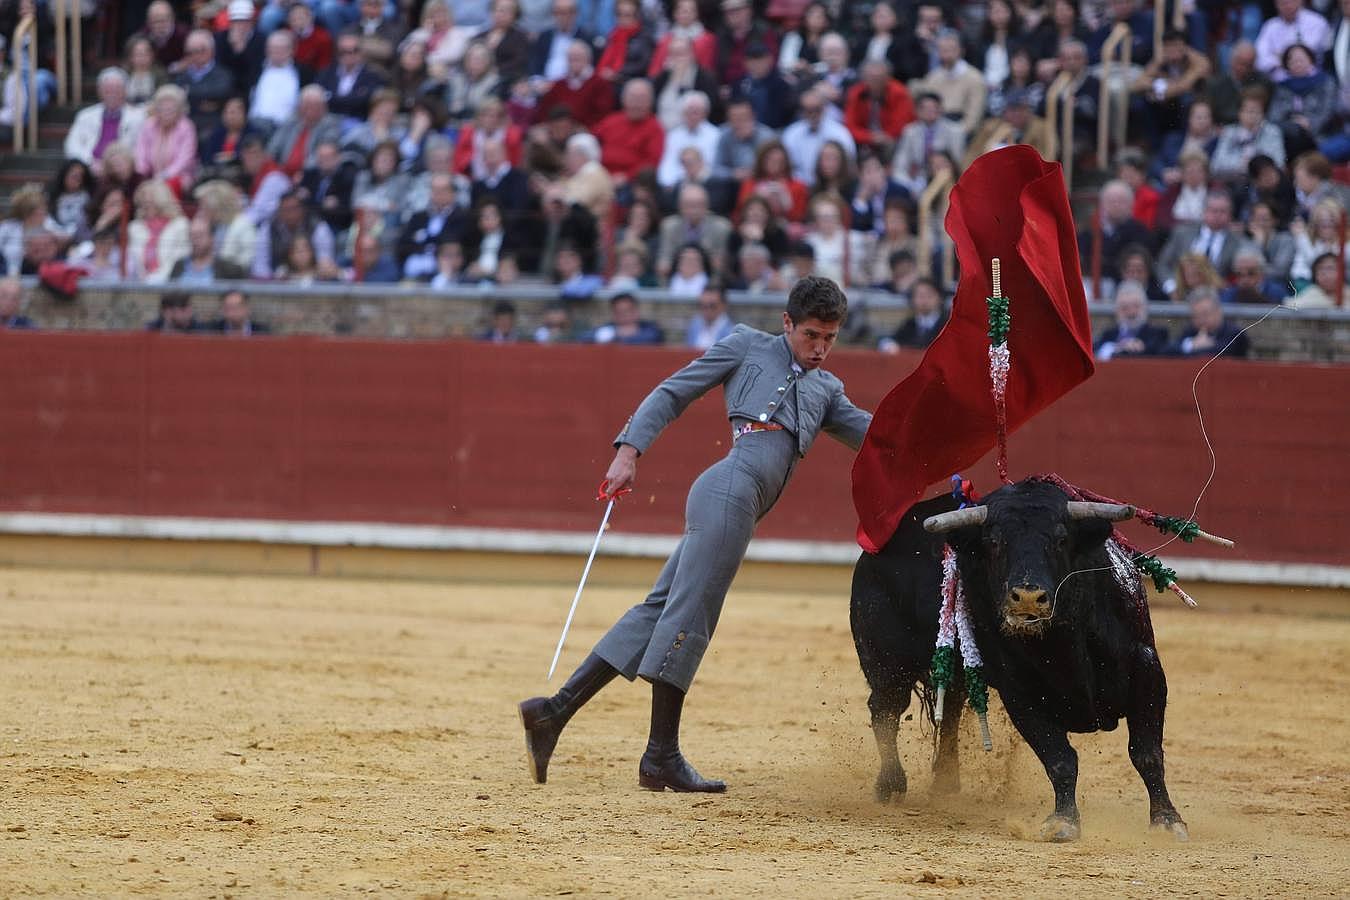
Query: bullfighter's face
[811, 340]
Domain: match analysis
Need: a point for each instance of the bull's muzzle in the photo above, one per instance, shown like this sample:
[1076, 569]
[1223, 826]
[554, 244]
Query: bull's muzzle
[1027, 607]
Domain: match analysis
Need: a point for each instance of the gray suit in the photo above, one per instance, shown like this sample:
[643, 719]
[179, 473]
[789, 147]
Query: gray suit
[664, 637]
[284, 138]
[713, 235]
[1182, 242]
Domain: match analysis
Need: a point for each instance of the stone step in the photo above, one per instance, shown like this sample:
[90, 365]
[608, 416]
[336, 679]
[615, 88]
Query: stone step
[52, 136]
[41, 160]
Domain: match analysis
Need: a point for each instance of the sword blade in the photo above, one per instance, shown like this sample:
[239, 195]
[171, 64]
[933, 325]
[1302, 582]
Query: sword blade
[584, 574]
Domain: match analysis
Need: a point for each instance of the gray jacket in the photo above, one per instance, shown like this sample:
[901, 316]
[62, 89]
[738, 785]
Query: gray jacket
[755, 368]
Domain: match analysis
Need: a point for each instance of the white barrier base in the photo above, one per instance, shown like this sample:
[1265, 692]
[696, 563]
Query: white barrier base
[501, 540]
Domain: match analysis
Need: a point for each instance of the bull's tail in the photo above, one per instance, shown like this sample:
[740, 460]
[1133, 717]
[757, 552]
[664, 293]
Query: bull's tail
[927, 697]
[954, 698]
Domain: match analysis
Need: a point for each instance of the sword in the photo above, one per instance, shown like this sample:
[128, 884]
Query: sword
[609, 507]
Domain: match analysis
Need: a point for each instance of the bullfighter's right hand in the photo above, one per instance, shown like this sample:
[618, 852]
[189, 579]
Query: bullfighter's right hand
[622, 472]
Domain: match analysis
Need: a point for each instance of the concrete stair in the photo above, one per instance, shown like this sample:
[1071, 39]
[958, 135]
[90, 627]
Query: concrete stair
[42, 164]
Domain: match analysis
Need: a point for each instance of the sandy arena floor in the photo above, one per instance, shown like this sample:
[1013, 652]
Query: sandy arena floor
[253, 737]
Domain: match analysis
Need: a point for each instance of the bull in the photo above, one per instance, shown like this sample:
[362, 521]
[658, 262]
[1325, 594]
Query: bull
[1061, 619]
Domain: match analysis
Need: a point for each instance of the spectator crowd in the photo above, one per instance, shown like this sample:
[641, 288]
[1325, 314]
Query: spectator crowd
[696, 146]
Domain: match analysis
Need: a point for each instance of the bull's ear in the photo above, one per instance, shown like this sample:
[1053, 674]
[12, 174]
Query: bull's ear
[1090, 534]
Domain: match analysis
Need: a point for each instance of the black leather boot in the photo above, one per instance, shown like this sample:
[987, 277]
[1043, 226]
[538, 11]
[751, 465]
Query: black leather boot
[663, 766]
[544, 717]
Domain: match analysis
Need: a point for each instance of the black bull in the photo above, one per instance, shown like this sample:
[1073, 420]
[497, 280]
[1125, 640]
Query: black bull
[1066, 653]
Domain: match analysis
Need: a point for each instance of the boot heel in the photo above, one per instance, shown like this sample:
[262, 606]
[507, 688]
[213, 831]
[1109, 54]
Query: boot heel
[651, 783]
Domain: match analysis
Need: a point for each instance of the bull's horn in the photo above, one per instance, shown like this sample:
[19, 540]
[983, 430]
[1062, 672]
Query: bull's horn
[1213, 539]
[1111, 512]
[957, 518]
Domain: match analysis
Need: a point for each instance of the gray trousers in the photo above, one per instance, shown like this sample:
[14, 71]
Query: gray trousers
[664, 637]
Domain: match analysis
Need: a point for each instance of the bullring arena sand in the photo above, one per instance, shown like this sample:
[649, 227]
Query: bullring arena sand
[198, 736]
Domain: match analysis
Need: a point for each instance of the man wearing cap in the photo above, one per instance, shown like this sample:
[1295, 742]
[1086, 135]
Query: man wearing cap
[739, 30]
[778, 400]
[240, 48]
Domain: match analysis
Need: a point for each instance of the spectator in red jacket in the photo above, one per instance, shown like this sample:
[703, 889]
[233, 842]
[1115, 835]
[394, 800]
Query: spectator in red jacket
[1132, 168]
[584, 93]
[489, 124]
[313, 43]
[877, 108]
[685, 23]
[632, 138]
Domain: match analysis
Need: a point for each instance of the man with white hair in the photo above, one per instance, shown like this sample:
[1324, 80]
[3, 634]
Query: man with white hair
[587, 183]
[837, 77]
[1132, 335]
[632, 138]
[1250, 284]
[757, 274]
[277, 93]
[110, 121]
[1119, 229]
[695, 131]
[292, 145]
[1209, 333]
[207, 84]
[588, 96]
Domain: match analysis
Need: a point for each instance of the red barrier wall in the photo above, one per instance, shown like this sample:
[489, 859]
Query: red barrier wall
[518, 436]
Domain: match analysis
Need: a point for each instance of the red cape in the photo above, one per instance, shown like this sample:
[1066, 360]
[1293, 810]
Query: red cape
[1009, 204]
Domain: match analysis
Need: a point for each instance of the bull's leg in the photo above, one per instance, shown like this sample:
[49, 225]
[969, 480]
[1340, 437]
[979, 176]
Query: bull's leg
[1148, 701]
[947, 763]
[1051, 745]
[887, 705]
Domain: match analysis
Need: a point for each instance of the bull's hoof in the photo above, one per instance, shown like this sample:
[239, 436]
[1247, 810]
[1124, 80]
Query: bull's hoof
[891, 781]
[1059, 830]
[947, 782]
[1173, 825]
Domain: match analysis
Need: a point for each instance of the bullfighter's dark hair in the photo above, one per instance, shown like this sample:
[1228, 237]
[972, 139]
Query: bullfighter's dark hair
[815, 297]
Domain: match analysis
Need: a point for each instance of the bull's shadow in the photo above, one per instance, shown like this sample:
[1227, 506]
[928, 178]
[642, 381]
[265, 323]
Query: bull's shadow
[1061, 620]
